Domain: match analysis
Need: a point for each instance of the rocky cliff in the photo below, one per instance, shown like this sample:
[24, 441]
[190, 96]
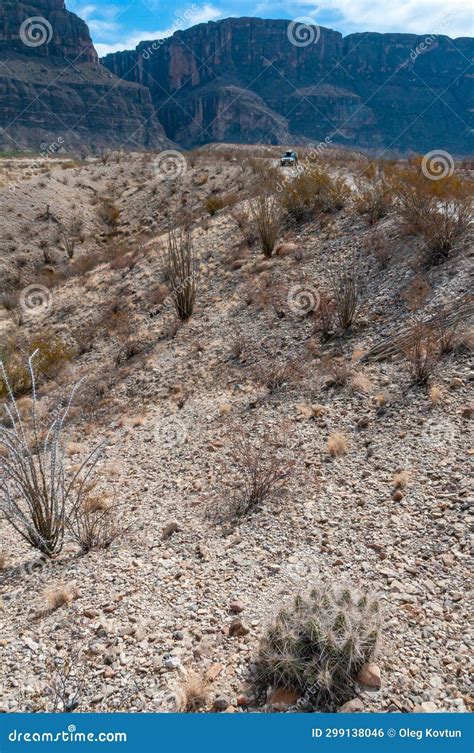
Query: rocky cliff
[54, 91]
[245, 80]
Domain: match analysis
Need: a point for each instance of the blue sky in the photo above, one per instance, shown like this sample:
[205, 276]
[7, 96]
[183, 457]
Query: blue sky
[122, 24]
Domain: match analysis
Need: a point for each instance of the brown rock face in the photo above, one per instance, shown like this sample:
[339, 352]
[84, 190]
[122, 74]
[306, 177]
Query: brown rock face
[54, 91]
[68, 35]
[243, 80]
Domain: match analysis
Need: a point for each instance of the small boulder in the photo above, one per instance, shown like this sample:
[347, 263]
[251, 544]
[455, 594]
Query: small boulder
[221, 703]
[353, 706]
[168, 530]
[238, 629]
[236, 606]
[427, 707]
[282, 698]
[369, 676]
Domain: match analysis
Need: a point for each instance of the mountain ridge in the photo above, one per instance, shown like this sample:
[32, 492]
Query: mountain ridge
[240, 52]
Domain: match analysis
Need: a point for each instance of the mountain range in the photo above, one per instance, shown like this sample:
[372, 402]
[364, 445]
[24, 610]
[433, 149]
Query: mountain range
[244, 80]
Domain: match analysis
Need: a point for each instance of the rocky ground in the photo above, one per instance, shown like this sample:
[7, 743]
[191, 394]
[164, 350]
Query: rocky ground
[183, 594]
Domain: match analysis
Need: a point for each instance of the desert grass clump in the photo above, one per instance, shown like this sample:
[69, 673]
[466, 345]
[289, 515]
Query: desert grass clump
[435, 394]
[182, 272]
[266, 212]
[361, 383]
[317, 645]
[401, 479]
[59, 596]
[37, 493]
[337, 444]
[195, 693]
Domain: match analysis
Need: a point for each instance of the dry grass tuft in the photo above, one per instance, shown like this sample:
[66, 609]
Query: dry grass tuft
[59, 597]
[361, 383]
[195, 693]
[435, 393]
[401, 479]
[337, 444]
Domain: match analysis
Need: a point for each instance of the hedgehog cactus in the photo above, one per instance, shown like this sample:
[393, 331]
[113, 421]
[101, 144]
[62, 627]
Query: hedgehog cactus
[319, 644]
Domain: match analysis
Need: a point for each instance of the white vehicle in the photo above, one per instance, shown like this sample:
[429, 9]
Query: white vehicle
[289, 159]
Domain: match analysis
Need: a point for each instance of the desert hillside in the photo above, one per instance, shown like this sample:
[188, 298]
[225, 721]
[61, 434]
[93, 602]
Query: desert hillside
[303, 420]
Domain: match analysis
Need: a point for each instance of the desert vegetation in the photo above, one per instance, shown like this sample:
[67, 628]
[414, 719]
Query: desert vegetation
[272, 366]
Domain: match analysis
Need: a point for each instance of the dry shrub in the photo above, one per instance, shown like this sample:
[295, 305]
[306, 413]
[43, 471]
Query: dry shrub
[266, 213]
[216, 202]
[326, 316]
[108, 212]
[313, 190]
[274, 375]
[337, 444]
[317, 645]
[338, 371]
[97, 522]
[374, 200]
[52, 354]
[446, 332]
[422, 352]
[438, 211]
[243, 221]
[378, 248]
[261, 468]
[182, 272]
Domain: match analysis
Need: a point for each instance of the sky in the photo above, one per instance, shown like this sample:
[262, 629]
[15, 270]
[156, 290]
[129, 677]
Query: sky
[122, 24]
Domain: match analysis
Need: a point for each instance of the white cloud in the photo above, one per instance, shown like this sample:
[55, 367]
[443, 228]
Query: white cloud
[194, 15]
[450, 17]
